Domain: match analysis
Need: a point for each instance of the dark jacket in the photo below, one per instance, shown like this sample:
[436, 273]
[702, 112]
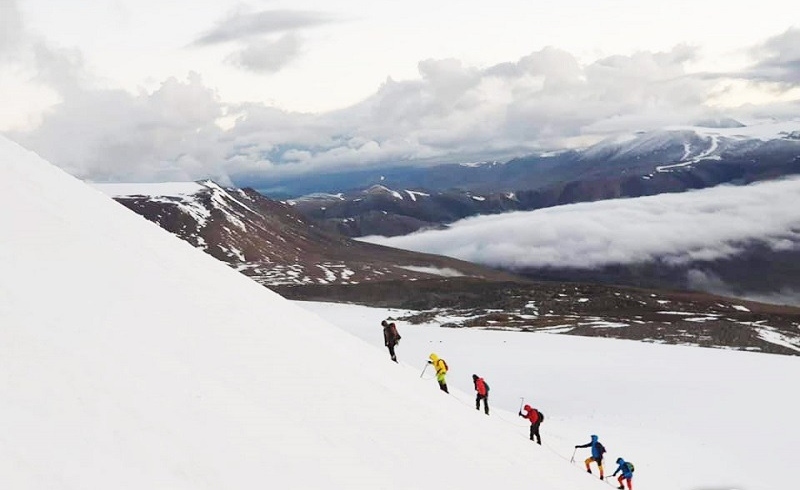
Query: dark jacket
[390, 335]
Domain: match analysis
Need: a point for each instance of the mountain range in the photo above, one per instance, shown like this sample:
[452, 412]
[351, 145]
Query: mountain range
[400, 200]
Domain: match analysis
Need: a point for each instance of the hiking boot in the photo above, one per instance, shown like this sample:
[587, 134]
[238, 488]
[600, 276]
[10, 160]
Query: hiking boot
[621, 487]
[587, 471]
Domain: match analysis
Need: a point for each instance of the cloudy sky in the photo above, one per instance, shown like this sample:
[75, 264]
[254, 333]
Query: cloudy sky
[124, 90]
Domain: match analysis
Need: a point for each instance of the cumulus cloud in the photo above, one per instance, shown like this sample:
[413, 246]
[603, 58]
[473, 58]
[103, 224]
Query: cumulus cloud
[545, 100]
[680, 229]
[540, 102]
[244, 25]
[112, 135]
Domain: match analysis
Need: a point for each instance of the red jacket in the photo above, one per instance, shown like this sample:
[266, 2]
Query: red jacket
[480, 386]
[532, 414]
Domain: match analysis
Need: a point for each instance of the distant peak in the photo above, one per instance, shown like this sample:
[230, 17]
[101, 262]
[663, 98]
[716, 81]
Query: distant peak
[378, 189]
[719, 122]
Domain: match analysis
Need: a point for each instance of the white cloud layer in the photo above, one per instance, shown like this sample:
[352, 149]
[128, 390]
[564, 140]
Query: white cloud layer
[680, 228]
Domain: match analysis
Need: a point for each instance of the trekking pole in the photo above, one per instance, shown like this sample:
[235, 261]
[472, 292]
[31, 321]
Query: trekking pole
[572, 459]
[423, 370]
[521, 401]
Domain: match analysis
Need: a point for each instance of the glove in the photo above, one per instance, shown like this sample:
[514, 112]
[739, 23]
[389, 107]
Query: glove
[576, 447]
[520, 414]
[430, 362]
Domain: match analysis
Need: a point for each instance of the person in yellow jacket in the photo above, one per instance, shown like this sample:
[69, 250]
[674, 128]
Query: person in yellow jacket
[441, 370]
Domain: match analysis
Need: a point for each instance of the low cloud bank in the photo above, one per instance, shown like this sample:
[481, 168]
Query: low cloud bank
[679, 229]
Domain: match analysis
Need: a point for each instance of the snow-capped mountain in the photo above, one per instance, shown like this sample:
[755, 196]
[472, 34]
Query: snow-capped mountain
[379, 210]
[271, 242]
[649, 163]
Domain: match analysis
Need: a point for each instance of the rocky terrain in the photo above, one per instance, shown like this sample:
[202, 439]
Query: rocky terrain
[579, 309]
[270, 242]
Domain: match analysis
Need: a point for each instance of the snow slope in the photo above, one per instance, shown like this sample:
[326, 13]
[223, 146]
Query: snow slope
[689, 418]
[130, 359]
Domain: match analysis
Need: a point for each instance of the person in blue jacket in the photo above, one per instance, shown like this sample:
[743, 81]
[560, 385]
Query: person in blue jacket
[627, 473]
[597, 454]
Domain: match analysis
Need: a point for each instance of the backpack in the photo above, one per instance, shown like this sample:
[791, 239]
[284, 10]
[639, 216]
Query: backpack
[629, 465]
[600, 448]
[486, 385]
[541, 416]
[445, 364]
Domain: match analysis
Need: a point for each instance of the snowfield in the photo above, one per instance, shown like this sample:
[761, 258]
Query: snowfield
[131, 360]
[689, 418]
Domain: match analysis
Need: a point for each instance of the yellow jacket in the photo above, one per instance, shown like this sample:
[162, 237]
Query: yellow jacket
[438, 364]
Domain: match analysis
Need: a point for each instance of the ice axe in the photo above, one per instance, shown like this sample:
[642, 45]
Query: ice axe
[424, 369]
[572, 459]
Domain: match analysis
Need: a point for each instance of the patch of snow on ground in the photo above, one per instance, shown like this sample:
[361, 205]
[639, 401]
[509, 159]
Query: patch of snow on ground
[604, 324]
[188, 205]
[770, 335]
[437, 271]
[413, 194]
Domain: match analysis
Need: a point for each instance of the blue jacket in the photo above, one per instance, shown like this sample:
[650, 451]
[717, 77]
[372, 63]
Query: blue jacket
[623, 467]
[597, 448]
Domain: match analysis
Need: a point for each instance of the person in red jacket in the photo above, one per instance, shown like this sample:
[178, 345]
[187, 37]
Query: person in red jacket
[536, 419]
[482, 390]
